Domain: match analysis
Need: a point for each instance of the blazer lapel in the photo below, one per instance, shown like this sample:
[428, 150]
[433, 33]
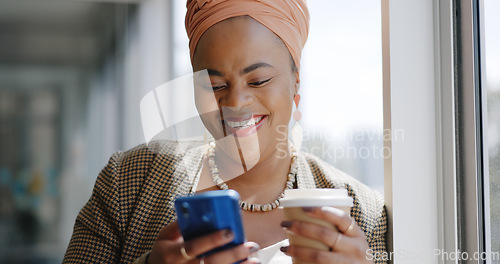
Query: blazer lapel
[305, 177]
[315, 175]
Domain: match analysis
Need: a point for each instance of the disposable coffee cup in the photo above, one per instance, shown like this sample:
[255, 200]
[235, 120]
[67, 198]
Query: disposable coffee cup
[296, 199]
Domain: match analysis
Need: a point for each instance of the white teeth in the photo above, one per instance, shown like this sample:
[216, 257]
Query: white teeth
[245, 123]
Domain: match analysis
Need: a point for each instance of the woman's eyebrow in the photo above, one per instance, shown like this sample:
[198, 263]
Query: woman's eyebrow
[255, 67]
[248, 69]
[214, 72]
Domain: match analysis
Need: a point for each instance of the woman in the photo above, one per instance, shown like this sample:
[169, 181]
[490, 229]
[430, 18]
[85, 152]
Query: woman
[251, 51]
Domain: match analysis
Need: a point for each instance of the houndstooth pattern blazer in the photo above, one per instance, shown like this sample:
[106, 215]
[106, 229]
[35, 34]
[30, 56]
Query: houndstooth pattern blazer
[133, 198]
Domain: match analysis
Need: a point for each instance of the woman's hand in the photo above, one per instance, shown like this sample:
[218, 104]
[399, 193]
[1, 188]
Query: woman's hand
[347, 245]
[169, 246]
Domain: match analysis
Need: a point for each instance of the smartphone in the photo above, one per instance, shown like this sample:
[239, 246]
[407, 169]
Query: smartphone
[210, 211]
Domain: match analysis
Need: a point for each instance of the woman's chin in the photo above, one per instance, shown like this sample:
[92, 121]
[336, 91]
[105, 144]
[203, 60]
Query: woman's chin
[242, 150]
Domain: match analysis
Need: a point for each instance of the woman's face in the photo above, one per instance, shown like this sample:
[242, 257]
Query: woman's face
[251, 84]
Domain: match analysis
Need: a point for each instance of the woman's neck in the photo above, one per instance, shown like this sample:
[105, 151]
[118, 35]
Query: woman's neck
[261, 183]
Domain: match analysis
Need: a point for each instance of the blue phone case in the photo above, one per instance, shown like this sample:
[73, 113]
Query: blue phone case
[207, 212]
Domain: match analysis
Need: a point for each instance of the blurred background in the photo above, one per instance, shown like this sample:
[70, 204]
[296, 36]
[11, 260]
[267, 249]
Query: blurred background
[73, 72]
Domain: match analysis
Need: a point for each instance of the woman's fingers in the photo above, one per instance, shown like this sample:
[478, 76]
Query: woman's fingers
[323, 234]
[170, 247]
[233, 255]
[337, 217]
[354, 246]
[347, 242]
[208, 242]
[311, 255]
[330, 237]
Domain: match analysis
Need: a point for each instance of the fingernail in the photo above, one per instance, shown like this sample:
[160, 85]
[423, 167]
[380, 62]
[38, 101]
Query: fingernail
[254, 248]
[308, 209]
[286, 224]
[284, 249]
[228, 234]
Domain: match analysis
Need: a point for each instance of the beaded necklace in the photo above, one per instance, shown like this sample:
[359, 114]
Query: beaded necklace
[245, 205]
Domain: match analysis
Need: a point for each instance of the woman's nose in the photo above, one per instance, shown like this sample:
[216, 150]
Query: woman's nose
[236, 98]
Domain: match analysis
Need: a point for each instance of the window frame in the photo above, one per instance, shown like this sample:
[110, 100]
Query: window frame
[474, 235]
[411, 78]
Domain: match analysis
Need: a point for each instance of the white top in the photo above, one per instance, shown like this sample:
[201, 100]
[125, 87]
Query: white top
[273, 255]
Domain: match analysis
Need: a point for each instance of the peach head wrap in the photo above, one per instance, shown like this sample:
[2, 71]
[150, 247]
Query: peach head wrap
[288, 19]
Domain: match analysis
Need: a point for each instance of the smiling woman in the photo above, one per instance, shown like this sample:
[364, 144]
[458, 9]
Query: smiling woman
[251, 52]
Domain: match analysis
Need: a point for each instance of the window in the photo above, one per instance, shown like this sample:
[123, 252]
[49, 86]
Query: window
[492, 62]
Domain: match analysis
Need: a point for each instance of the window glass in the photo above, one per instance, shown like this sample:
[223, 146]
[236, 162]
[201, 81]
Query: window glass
[342, 88]
[492, 56]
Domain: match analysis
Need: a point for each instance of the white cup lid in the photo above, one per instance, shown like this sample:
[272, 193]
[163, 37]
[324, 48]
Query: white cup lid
[316, 197]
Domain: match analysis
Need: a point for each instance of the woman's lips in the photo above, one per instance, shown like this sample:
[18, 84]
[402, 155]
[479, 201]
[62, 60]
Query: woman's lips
[243, 128]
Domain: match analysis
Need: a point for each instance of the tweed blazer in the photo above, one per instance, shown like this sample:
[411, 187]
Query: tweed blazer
[133, 198]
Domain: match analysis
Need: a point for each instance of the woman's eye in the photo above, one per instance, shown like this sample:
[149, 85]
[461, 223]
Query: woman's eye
[259, 83]
[213, 87]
